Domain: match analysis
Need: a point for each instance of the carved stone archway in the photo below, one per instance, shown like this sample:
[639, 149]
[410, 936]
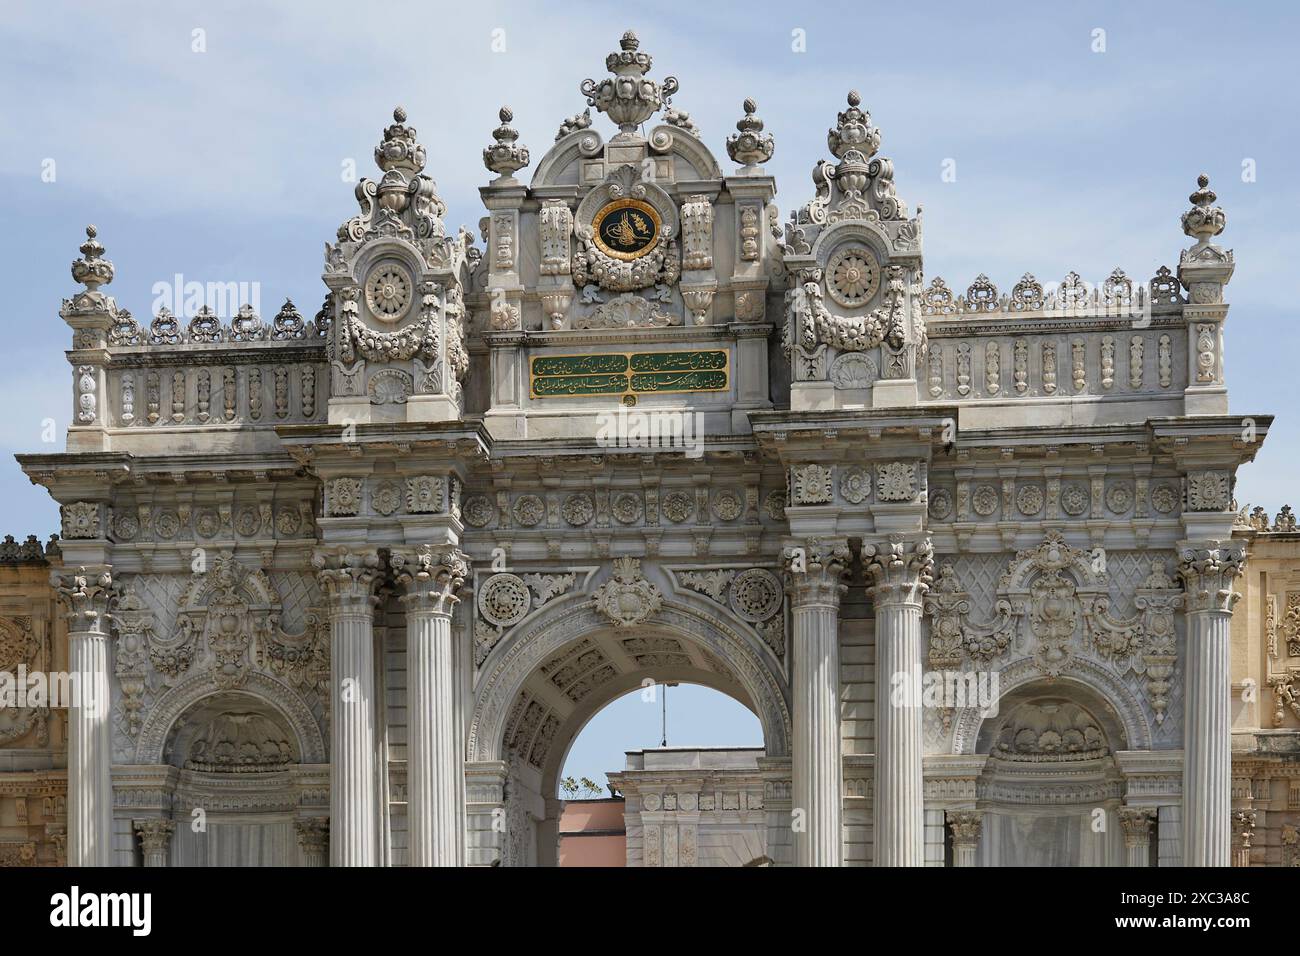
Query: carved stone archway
[1093, 677]
[162, 717]
[567, 621]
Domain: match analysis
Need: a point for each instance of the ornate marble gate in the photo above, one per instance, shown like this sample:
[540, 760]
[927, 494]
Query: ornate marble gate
[368, 572]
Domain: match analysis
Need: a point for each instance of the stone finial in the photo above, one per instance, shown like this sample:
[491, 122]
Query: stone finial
[750, 146]
[627, 98]
[399, 148]
[91, 270]
[853, 131]
[504, 157]
[1204, 220]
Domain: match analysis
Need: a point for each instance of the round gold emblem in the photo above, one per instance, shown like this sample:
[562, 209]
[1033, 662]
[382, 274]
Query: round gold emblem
[626, 229]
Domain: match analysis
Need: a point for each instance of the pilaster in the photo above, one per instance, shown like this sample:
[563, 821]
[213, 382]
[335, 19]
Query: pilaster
[966, 826]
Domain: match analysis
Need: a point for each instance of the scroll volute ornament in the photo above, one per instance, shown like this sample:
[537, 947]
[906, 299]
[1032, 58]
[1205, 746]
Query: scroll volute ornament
[431, 577]
[815, 571]
[86, 596]
[1209, 573]
[902, 571]
[348, 578]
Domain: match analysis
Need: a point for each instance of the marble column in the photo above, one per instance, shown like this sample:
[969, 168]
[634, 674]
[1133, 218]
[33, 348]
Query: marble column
[1208, 572]
[816, 572]
[1243, 834]
[1136, 824]
[966, 826]
[348, 579]
[155, 839]
[430, 579]
[86, 596]
[313, 841]
[901, 571]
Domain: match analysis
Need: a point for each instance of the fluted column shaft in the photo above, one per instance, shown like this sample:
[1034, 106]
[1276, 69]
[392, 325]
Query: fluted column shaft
[815, 572]
[1209, 573]
[86, 597]
[349, 580]
[433, 778]
[902, 572]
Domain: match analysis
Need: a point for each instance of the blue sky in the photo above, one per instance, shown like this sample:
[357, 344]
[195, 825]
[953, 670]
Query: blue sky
[225, 165]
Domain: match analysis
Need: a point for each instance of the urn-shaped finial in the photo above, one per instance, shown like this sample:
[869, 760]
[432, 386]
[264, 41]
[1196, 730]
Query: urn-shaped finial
[399, 148]
[92, 270]
[853, 130]
[1204, 220]
[750, 146]
[627, 97]
[505, 157]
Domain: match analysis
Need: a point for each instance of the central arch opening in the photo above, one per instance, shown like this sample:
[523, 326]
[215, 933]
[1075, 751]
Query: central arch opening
[596, 707]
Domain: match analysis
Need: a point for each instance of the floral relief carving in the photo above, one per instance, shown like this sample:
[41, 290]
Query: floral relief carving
[896, 481]
[811, 485]
[344, 496]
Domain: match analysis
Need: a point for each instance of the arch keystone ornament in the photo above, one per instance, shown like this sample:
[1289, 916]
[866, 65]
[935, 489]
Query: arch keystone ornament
[628, 598]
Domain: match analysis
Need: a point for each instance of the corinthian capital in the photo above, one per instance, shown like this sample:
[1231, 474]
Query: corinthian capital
[816, 570]
[901, 570]
[430, 576]
[1209, 572]
[348, 577]
[85, 596]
